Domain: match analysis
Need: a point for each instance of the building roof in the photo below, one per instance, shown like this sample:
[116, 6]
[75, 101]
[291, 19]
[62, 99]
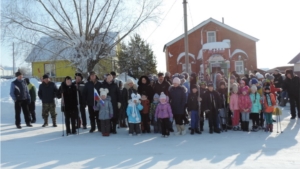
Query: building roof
[296, 59]
[50, 49]
[280, 68]
[216, 22]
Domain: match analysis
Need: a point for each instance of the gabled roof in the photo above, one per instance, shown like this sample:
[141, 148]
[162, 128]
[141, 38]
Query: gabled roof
[216, 22]
[50, 49]
[296, 59]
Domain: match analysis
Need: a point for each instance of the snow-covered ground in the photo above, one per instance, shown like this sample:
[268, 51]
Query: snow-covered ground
[39, 147]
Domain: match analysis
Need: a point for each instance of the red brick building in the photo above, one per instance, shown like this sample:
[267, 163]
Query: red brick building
[212, 46]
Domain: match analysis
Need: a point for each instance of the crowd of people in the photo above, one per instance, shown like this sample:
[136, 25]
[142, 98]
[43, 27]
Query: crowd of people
[160, 101]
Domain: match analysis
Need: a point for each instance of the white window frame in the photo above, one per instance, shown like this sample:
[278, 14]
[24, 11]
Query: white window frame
[242, 69]
[208, 37]
[50, 66]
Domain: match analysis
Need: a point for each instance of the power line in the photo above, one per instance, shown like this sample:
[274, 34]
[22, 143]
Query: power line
[162, 20]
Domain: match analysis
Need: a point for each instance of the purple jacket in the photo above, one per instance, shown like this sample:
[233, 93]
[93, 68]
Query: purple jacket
[163, 111]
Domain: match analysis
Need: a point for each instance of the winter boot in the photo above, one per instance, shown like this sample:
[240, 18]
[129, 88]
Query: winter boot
[247, 126]
[267, 128]
[178, 130]
[243, 125]
[192, 131]
[98, 125]
[45, 122]
[54, 122]
[217, 130]
[211, 131]
[33, 118]
[182, 130]
[198, 131]
[271, 127]
[201, 125]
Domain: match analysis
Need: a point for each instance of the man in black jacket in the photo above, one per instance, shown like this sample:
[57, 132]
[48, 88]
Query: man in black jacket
[19, 93]
[114, 94]
[47, 93]
[88, 94]
[292, 86]
[161, 85]
[79, 83]
[278, 82]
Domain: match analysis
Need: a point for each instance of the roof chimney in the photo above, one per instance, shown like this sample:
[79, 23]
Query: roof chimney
[223, 20]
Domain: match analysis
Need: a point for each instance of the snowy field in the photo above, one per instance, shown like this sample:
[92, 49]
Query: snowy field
[39, 147]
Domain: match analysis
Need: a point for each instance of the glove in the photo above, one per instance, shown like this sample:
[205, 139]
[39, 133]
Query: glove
[171, 119]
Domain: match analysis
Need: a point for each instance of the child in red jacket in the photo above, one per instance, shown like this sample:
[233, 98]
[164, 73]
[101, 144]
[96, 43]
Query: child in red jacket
[245, 105]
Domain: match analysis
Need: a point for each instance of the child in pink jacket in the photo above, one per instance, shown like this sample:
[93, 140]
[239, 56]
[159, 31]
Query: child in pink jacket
[164, 114]
[234, 107]
[245, 106]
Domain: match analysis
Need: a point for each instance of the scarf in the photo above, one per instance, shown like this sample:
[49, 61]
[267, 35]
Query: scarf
[268, 99]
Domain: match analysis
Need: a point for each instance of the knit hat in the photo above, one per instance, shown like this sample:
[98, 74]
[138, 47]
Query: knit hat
[162, 96]
[259, 76]
[156, 96]
[46, 76]
[103, 91]
[254, 81]
[18, 74]
[176, 80]
[235, 87]
[245, 89]
[253, 88]
[136, 97]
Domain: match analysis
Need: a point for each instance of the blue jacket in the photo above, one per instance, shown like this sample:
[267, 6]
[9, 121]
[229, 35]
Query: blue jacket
[256, 105]
[133, 112]
[19, 90]
[105, 111]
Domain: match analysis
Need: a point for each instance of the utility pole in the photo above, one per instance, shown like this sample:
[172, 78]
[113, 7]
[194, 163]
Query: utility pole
[13, 58]
[186, 43]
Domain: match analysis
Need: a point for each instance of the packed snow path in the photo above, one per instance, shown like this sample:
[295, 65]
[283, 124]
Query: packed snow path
[39, 147]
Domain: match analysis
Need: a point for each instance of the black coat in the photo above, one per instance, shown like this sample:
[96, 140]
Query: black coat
[47, 92]
[88, 92]
[292, 86]
[69, 96]
[126, 95]
[278, 80]
[114, 93]
[80, 89]
[223, 96]
[146, 88]
[211, 100]
[163, 87]
[192, 103]
[177, 96]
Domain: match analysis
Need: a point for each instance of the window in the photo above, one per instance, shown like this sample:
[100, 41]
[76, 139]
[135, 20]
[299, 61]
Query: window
[239, 67]
[50, 69]
[211, 36]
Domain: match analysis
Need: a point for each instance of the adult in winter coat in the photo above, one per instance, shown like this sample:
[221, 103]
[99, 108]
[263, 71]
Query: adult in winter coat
[69, 94]
[223, 91]
[92, 86]
[203, 90]
[47, 93]
[292, 86]
[278, 82]
[145, 88]
[32, 93]
[129, 88]
[177, 96]
[79, 83]
[161, 85]
[19, 93]
[116, 81]
[114, 94]
[211, 102]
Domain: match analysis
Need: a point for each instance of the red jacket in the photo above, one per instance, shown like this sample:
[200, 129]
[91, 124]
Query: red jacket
[245, 103]
[146, 106]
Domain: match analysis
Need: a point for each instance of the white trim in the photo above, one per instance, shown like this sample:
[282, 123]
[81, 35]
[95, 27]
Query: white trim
[238, 51]
[216, 22]
[183, 54]
[215, 34]
[239, 65]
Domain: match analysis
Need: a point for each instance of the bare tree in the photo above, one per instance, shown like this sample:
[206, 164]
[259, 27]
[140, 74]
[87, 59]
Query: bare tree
[83, 31]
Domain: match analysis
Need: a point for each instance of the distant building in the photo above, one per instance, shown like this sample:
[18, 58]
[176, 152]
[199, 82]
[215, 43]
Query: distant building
[45, 59]
[296, 62]
[281, 69]
[213, 46]
[6, 71]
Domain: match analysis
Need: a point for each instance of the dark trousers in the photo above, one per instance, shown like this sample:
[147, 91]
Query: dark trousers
[194, 119]
[255, 119]
[70, 115]
[21, 104]
[157, 126]
[165, 123]
[212, 119]
[83, 115]
[94, 118]
[113, 124]
[179, 119]
[105, 126]
[295, 104]
[134, 127]
[145, 122]
[262, 119]
[32, 110]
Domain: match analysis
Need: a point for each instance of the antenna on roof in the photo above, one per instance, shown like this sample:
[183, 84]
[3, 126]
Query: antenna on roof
[223, 20]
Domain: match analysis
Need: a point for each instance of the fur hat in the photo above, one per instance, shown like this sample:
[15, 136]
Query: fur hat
[162, 96]
[235, 87]
[156, 96]
[176, 80]
[103, 91]
[245, 89]
[136, 97]
[253, 88]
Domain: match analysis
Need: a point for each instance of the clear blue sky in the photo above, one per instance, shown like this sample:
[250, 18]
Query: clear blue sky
[276, 23]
